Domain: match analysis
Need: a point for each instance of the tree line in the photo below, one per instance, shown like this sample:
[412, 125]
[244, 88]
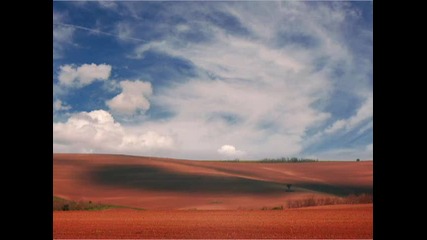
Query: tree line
[289, 159]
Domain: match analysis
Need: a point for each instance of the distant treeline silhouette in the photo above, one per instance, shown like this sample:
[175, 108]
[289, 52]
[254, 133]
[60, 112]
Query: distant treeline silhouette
[289, 159]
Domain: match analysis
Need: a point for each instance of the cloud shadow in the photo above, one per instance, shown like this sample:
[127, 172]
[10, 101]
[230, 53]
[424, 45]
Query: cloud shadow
[159, 179]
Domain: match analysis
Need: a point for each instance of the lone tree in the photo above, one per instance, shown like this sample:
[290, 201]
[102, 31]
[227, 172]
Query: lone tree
[357, 160]
[289, 187]
[66, 207]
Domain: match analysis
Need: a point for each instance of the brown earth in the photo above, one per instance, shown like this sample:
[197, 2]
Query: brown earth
[171, 184]
[325, 222]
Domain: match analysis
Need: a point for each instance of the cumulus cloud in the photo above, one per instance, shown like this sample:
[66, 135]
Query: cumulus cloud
[263, 84]
[59, 106]
[132, 99]
[260, 88]
[72, 76]
[98, 131]
[230, 151]
[269, 92]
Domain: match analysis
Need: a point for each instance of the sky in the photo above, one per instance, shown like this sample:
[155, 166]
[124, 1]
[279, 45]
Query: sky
[214, 80]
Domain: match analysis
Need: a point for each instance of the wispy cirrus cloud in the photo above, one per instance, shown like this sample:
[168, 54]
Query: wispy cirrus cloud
[365, 112]
[275, 79]
[62, 35]
[123, 31]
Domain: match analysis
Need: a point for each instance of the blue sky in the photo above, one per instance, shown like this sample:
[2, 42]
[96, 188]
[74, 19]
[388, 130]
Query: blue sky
[214, 80]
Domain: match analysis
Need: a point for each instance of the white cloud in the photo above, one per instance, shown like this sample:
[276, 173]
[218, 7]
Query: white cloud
[108, 4]
[142, 49]
[255, 90]
[270, 91]
[62, 35]
[59, 106]
[150, 140]
[365, 128]
[132, 98]
[338, 125]
[230, 151]
[71, 76]
[182, 28]
[370, 147]
[124, 31]
[364, 113]
[97, 131]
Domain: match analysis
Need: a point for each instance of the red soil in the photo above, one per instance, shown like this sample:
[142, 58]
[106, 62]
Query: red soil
[326, 222]
[167, 184]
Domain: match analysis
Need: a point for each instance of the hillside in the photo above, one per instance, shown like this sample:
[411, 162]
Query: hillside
[167, 184]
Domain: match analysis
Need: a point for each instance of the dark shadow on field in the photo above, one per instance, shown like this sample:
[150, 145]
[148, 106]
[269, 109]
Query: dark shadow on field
[337, 190]
[160, 179]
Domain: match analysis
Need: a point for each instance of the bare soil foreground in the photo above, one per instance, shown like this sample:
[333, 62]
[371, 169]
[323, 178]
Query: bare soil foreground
[325, 222]
[170, 184]
[208, 199]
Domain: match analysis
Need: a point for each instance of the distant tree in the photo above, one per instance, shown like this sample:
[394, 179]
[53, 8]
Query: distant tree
[289, 187]
[66, 207]
[357, 160]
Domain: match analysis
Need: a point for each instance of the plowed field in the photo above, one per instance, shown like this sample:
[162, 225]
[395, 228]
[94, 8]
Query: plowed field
[170, 184]
[326, 222]
[208, 199]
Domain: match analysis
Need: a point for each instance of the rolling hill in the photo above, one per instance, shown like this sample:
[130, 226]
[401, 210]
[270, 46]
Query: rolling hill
[170, 184]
